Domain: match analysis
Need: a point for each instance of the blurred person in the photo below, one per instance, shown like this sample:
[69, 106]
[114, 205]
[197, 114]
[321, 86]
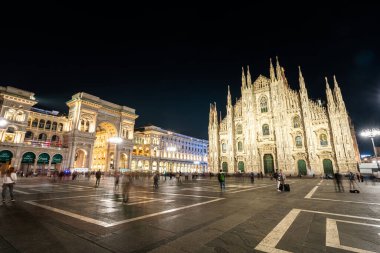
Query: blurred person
[9, 180]
[338, 182]
[222, 180]
[98, 175]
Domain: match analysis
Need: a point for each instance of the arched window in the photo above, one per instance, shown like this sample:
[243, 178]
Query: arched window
[48, 125]
[87, 127]
[265, 129]
[35, 123]
[54, 126]
[82, 122]
[29, 135]
[60, 127]
[55, 138]
[296, 122]
[224, 148]
[264, 104]
[29, 121]
[239, 129]
[240, 146]
[298, 141]
[323, 140]
[41, 124]
[42, 137]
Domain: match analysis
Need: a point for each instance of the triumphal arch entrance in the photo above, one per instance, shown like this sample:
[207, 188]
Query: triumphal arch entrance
[100, 135]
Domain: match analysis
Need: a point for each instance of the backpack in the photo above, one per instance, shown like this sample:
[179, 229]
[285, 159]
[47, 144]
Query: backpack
[221, 177]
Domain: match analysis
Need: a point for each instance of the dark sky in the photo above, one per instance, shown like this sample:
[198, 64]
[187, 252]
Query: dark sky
[169, 63]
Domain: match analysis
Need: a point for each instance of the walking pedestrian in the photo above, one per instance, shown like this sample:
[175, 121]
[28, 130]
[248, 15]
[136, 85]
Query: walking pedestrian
[116, 184]
[338, 182]
[98, 175]
[222, 180]
[127, 181]
[351, 177]
[9, 181]
[252, 177]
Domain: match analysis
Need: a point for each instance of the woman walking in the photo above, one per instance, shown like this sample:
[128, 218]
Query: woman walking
[9, 180]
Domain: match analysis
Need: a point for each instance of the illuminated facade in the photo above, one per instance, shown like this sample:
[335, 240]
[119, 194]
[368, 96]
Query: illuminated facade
[35, 139]
[274, 127]
[156, 149]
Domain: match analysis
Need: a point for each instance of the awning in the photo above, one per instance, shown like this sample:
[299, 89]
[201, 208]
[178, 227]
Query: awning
[43, 158]
[5, 156]
[57, 158]
[28, 157]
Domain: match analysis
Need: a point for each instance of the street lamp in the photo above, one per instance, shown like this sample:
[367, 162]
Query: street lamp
[112, 140]
[372, 133]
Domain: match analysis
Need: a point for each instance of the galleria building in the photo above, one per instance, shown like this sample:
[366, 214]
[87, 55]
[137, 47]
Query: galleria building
[96, 135]
[274, 127]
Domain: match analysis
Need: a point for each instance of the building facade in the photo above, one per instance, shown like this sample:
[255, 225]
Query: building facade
[274, 127]
[156, 149]
[37, 140]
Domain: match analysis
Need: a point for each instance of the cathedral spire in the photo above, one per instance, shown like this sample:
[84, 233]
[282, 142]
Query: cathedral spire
[330, 99]
[278, 69]
[243, 80]
[338, 96]
[271, 71]
[249, 80]
[229, 102]
[301, 80]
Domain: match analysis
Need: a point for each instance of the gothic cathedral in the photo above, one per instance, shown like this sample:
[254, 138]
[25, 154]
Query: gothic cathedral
[274, 127]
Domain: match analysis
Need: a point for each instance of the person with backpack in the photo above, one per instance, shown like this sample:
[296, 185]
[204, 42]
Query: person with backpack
[221, 179]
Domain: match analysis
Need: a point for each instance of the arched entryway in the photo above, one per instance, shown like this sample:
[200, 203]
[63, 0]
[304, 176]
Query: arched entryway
[104, 150]
[80, 158]
[124, 161]
[268, 164]
[241, 166]
[328, 167]
[56, 161]
[43, 163]
[225, 167]
[27, 162]
[302, 167]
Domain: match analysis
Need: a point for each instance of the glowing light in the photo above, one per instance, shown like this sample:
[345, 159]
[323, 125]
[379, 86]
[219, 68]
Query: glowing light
[173, 149]
[115, 140]
[3, 122]
[370, 132]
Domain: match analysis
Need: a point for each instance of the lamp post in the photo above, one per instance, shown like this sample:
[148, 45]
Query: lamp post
[372, 133]
[112, 140]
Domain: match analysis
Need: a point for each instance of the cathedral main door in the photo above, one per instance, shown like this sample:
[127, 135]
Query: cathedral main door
[268, 164]
[302, 167]
[328, 167]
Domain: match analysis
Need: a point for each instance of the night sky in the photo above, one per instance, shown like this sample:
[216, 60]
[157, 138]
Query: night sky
[169, 63]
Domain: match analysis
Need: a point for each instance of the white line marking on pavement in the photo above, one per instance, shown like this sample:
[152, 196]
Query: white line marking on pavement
[332, 236]
[343, 215]
[21, 191]
[253, 188]
[74, 215]
[348, 201]
[178, 194]
[268, 244]
[163, 212]
[308, 196]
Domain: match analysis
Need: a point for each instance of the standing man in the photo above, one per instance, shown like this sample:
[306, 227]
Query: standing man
[98, 175]
[338, 182]
[275, 176]
[221, 179]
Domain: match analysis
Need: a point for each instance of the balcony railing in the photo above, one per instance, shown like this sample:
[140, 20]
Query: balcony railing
[44, 144]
